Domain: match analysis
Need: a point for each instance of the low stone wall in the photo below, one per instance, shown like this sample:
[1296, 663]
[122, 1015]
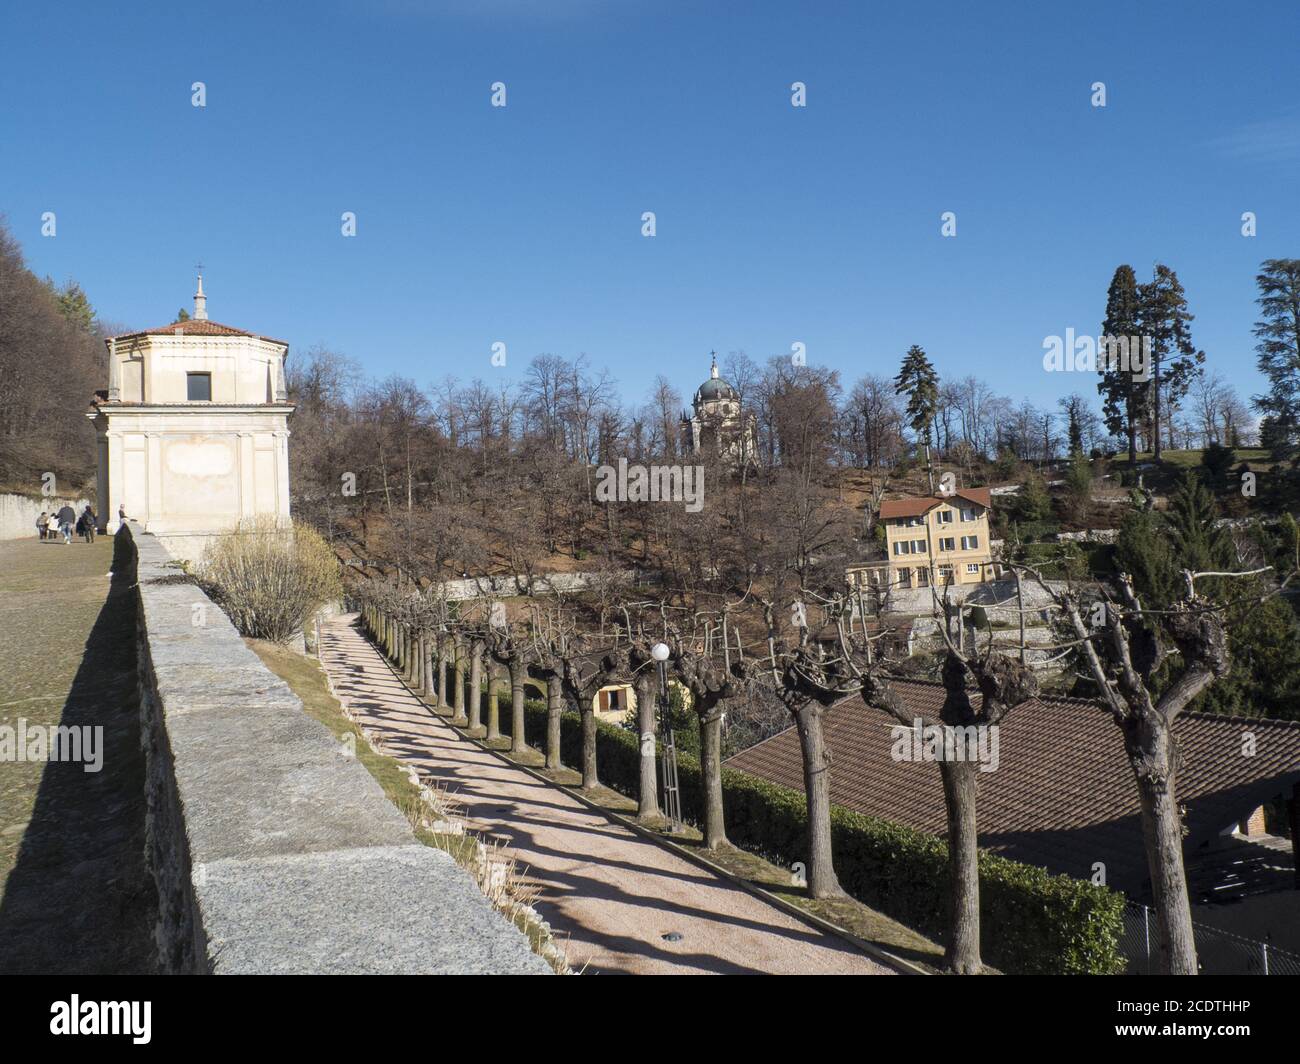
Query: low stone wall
[18, 513]
[273, 851]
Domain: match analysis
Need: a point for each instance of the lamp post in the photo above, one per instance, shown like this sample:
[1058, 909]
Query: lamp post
[672, 797]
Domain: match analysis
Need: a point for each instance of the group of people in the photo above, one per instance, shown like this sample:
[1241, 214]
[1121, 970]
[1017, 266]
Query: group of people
[64, 520]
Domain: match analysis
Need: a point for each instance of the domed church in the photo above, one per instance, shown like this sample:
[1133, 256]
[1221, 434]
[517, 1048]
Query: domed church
[719, 422]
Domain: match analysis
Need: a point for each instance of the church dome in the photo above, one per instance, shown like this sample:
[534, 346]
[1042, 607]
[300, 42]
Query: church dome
[715, 388]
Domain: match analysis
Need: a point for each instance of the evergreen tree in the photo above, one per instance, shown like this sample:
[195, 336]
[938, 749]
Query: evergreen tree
[1078, 483]
[1123, 398]
[919, 382]
[1198, 544]
[1217, 462]
[1164, 318]
[1144, 550]
[73, 304]
[1278, 349]
[182, 315]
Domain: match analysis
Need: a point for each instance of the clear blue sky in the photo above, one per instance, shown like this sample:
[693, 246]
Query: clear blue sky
[775, 224]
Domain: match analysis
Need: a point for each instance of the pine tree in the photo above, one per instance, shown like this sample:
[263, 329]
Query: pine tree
[1278, 349]
[1123, 397]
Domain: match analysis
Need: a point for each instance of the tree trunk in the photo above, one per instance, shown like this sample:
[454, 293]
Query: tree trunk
[822, 880]
[1151, 752]
[475, 687]
[589, 777]
[493, 708]
[715, 823]
[442, 674]
[648, 793]
[554, 705]
[426, 665]
[963, 954]
[458, 678]
[517, 675]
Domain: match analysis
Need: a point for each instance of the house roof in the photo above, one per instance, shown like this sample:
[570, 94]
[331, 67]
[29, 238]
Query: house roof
[1063, 795]
[916, 505]
[196, 327]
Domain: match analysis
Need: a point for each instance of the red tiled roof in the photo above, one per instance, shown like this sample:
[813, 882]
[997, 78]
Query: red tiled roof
[195, 327]
[1063, 795]
[916, 505]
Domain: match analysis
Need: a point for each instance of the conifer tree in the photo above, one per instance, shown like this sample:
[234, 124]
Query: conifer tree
[919, 382]
[1278, 349]
[1123, 397]
[1165, 319]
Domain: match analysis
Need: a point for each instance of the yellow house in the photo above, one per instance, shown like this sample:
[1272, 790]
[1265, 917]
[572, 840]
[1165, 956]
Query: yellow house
[614, 703]
[939, 539]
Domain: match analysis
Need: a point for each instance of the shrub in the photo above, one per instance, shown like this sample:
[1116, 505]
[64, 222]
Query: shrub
[1031, 922]
[270, 578]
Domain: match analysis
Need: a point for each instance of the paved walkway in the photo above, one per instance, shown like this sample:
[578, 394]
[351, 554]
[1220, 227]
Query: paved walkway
[610, 896]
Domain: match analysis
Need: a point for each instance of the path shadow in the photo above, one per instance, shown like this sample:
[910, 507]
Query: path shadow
[79, 899]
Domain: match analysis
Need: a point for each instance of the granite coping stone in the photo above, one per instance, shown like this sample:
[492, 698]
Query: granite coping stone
[421, 922]
[297, 861]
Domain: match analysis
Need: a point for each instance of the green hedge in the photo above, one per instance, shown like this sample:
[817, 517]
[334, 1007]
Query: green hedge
[1031, 922]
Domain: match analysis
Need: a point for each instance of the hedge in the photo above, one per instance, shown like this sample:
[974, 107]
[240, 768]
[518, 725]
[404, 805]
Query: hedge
[1031, 922]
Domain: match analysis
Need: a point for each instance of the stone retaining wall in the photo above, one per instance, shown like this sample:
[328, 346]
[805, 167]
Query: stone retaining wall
[18, 513]
[274, 851]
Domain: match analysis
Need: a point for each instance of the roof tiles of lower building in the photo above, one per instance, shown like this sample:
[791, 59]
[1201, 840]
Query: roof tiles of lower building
[1063, 795]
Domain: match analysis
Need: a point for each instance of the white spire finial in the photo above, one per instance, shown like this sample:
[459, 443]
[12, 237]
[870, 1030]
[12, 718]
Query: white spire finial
[713, 371]
[200, 300]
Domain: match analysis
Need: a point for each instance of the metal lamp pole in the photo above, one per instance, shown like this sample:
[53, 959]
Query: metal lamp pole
[668, 766]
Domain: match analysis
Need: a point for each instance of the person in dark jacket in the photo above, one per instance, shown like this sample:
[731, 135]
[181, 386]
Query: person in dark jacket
[88, 522]
[67, 518]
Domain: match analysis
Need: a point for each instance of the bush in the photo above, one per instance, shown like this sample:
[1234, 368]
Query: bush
[1031, 922]
[269, 578]
[1217, 461]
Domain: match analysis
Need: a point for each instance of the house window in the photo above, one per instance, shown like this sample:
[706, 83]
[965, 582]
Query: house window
[945, 517]
[968, 513]
[914, 522]
[945, 574]
[948, 543]
[923, 578]
[904, 577]
[918, 546]
[198, 387]
[973, 568]
[970, 542]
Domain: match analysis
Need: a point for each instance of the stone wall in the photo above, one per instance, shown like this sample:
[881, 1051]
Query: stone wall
[18, 513]
[274, 850]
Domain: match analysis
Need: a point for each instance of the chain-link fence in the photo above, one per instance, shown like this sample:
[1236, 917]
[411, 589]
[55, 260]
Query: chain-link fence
[1217, 952]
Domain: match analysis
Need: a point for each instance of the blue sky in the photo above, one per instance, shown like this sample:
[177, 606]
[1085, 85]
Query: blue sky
[775, 224]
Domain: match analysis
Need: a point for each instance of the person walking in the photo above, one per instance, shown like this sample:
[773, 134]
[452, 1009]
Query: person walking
[67, 518]
[42, 525]
[89, 521]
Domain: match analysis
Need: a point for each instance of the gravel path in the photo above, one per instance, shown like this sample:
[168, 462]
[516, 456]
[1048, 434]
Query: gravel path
[610, 896]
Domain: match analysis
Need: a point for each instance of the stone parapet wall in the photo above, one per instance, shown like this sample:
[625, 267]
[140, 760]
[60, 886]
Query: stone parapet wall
[273, 850]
